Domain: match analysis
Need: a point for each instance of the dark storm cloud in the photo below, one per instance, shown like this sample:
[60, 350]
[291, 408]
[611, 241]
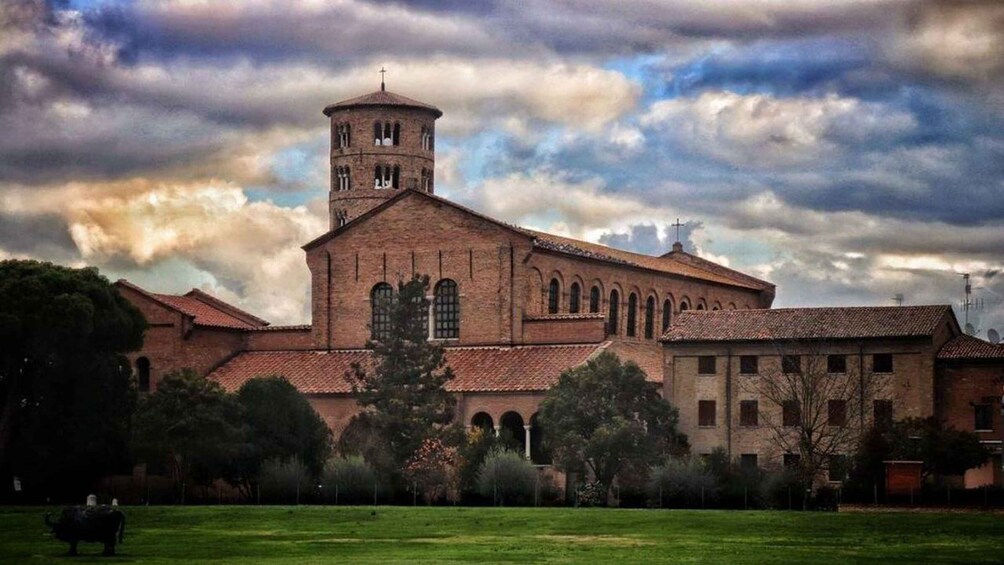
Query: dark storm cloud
[44, 236]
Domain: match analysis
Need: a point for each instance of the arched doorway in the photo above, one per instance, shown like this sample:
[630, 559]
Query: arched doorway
[484, 421]
[512, 427]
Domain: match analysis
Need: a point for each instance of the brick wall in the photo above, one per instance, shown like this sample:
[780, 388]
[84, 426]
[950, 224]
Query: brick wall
[278, 339]
[363, 155]
[563, 330]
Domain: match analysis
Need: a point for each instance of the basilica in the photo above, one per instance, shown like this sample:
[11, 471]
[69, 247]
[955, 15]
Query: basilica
[515, 307]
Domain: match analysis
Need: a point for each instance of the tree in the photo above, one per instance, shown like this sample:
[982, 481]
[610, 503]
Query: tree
[816, 405]
[606, 417]
[944, 450]
[282, 425]
[404, 393]
[65, 386]
[192, 425]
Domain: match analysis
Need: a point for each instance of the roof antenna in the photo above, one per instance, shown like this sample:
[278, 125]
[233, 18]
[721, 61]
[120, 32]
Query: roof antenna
[383, 86]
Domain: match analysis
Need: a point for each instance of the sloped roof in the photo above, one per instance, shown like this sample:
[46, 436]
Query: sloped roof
[381, 98]
[807, 323]
[969, 347]
[203, 308]
[676, 263]
[476, 369]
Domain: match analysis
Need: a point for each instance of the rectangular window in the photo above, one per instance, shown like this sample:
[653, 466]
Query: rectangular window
[791, 364]
[984, 415]
[836, 412]
[706, 413]
[882, 363]
[749, 413]
[792, 460]
[748, 462]
[882, 413]
[791, 416]
[837, 470]
[748, 365]
[836, 364]
[706, 365]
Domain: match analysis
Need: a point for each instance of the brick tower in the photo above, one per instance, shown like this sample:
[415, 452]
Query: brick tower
[381, 143]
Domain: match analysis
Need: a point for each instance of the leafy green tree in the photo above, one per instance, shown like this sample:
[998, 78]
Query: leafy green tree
[605, 417]
[282, 425]
[193, 426]
[404, 394]
[65, 386]
[944, 450]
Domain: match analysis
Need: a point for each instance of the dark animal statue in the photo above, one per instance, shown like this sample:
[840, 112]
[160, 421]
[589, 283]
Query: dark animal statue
[102, 524]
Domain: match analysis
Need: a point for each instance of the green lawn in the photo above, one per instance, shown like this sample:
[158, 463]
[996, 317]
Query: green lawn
[244, 535]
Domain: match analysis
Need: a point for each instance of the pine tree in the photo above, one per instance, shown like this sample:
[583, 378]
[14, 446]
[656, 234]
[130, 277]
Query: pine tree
[404, 393]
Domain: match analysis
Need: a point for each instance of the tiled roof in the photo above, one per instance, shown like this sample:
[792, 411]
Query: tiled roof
[292, 328]
[648, 355]
[807, 323]
[203, 308]
[476, 369]
[969, 347]
[676, 263]
[579, 316]
[381, 98]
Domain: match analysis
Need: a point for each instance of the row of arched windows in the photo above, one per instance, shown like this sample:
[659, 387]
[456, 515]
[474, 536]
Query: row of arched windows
[342, 180]
[614, 304]
[387, 176]
[443, 322]
[385, 133]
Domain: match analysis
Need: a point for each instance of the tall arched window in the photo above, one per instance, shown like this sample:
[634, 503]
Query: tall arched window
[614, 312]
[553, 296]
[143, 374]
[377, 133]
[649, 317]
[594, 300]
[426, 138]
[426, 180]
[386, 176]
[446, 310]
[343, 179]
[667, 314]
[632, 314]
[341, 218]
[574, 298]
[343, 134]
[380, 302]
[397, 134]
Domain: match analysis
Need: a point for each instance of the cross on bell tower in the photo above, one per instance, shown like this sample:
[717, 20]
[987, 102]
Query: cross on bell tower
[383, 85]
[677, 246]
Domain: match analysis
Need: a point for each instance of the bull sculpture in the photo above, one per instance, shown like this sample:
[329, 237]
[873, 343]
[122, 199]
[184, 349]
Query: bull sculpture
[102, 524]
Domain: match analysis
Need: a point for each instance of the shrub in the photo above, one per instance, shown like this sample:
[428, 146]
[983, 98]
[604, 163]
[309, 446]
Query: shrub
[507, 478]
[783, 490]
[589, 494]
[284, 482]
[682, 483]
[348, 480]
[432, 472]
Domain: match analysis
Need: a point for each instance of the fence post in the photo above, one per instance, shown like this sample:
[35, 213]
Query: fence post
[789, 498]
[702, 497]
[414, 493]
[374, 492]
[336, 494]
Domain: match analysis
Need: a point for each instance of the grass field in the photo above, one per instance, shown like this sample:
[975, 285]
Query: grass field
[244, 535]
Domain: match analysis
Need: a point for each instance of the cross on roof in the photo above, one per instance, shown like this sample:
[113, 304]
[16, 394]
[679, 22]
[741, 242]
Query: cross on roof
[383, 72]
[677, 225]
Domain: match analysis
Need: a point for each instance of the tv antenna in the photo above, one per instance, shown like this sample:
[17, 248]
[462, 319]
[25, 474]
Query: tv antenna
[969, 303]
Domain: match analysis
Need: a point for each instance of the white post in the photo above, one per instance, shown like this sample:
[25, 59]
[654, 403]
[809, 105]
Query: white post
[527, 449]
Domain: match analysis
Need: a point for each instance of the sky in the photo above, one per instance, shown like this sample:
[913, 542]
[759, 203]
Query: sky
[848, 151]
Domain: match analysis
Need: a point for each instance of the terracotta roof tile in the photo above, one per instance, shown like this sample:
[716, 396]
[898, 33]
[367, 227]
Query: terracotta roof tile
[969, 347]
[807, 323]
[204, 314]
[476, 369]
[381, 98]
[579, 316]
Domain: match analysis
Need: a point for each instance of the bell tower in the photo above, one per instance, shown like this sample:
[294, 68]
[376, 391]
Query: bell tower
[381, 143]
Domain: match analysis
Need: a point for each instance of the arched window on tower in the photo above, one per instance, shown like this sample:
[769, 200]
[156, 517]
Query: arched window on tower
[426, 180]
[343, 136]
[341, 218]
[386, 176]
[446, 310]
[650, 317]
[632, 315]
[380, 303]
[553, 296]
[667, 314]
[397, 134]
[377, 133]
[574, 298]
[614, 312]
[342, 178]
[143, 374]
[426, 138]
[594, 300]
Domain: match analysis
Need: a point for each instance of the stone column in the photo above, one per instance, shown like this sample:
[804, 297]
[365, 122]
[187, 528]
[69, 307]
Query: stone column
[498, 429]
[527, 436]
